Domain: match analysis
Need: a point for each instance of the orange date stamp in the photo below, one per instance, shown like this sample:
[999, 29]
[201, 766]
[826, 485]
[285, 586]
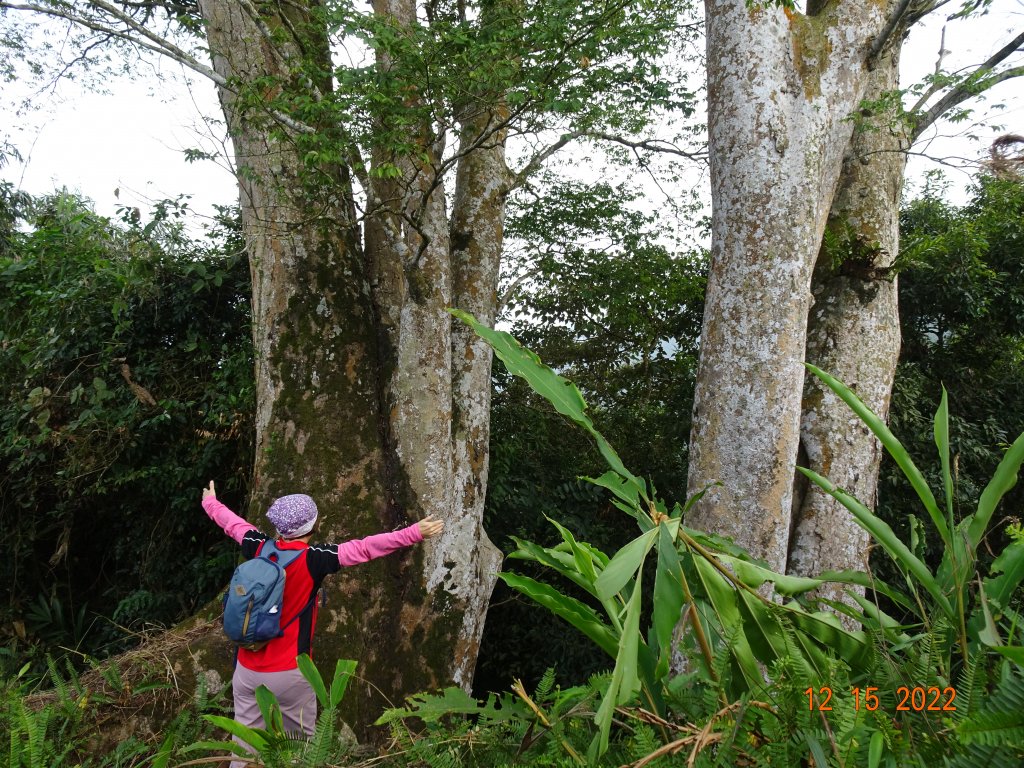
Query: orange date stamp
[908, 699]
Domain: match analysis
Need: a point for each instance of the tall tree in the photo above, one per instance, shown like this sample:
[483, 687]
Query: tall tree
[853, 328]
[373, 198]
[782, 88]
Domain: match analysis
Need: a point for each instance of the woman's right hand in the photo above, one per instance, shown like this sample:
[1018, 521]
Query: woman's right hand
[209, 492]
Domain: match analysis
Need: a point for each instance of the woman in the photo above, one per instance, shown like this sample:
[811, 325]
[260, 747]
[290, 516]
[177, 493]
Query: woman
[274, 664]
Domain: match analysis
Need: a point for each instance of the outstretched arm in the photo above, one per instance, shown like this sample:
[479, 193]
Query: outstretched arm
[233, 525]
[362, 550]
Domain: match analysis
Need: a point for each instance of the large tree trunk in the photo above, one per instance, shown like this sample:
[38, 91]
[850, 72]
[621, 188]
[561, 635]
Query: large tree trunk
[359, 401]
[854, 334]
[780, 87]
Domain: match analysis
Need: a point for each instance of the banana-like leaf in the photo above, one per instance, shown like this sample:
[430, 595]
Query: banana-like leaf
[668, 600]
[560, 392]
[721, 593]
[1010, 569]
[626, 491]
[270, 709]
[563, 562]
[625, 682]
[885, 536]
[754, 575]
[1002, 481]
[626, 562]
[343, 672]
[869, 582]
[892, 445]
[258, 738]
[580, 615]
[941, 430]
[1014, 653]
[314, 678]
[582, 559]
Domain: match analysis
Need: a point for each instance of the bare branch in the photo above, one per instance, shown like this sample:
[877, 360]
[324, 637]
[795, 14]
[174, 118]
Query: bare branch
[972, 84]
[650, 145]
[137, 34]
[538, 160]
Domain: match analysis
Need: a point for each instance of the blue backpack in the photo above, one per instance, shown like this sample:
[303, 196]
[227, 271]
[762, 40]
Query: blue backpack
[255, 598]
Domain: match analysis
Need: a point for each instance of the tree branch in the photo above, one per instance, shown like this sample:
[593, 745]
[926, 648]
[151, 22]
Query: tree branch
[520, 178]
[137, 34]
[887, 32]
[972, 85]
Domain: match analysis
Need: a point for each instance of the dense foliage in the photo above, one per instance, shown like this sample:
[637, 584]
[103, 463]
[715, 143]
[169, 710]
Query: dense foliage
[962, 322]
[126, 372]
[80, 293]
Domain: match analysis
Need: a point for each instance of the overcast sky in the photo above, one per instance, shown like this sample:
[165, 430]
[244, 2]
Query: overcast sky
[132, 140]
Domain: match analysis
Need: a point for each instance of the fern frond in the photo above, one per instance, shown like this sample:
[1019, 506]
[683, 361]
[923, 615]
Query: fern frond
[1000, 720]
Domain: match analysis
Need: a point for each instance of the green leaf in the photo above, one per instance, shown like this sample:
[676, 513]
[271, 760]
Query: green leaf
[626, 562]
[270, 709]
[560, 392]
[875, 749]
[313, 677]
[1010, 567]
[582, 559]
[892, 445]
[562, 562]
[1002, 481]
[668, 600]
[941, 430]
[343, 672]
[754, 575]
[722, 595]
[625, 682]
[257, 738]
[581, 616]
[885, 536]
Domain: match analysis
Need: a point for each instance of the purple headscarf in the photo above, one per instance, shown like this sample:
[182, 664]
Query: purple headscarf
[293, 515]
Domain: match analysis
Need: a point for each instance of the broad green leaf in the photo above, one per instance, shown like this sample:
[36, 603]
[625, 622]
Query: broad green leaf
[875, 749]
[623, 489]
[668, 600]
[1014, 653]
[1002, 481]
[256, 737]
[313, 677]
[722, 595]
[1010, 567]
[626, 562]
[560, 392]
[869, 582]
[580, 615]
[343, 672]
[885, 536]
[892, 445]
[211, 746]
[581, 558]
[625, 682]
[270, 709]
[562, 562]
[754, 575]
[827, 631]
[941, 431]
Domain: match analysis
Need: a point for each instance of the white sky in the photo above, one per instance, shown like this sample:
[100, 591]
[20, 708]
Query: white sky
[132, 141]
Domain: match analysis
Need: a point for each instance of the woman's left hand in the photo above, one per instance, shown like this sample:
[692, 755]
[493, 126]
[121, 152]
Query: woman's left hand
[430, 527]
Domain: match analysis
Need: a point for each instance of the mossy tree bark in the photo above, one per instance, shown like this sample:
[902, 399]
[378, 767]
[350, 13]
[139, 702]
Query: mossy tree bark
[780, 86]
[366, 399]
[854, 326]
[786, 163]
[854, 334]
